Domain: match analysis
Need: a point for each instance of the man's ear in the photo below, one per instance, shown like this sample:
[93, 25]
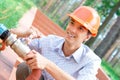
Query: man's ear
[88, 37]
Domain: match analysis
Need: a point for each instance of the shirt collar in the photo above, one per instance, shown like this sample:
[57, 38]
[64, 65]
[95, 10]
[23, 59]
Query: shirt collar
[78, 54]
[59, 45]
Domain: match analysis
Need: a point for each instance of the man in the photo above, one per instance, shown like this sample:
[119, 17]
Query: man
[65, 58]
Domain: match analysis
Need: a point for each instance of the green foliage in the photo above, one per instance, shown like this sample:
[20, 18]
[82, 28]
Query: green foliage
[12, 10]
[110, 71]
[89, 2]
[117, 69]
[104, 7]
[40, 3]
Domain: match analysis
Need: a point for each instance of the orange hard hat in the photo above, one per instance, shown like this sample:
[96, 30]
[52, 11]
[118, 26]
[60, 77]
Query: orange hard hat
[88, 17]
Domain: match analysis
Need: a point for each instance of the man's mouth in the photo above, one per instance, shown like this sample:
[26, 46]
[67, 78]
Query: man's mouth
[70, 35]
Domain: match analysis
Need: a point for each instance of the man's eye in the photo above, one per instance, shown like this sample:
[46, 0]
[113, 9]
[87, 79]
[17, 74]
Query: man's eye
[71, 22]
[81, 28]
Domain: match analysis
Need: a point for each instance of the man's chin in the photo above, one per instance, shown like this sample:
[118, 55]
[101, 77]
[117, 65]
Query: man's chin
[69, 40]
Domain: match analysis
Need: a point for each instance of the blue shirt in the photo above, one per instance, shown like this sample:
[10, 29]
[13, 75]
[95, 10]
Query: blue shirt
[82, 64]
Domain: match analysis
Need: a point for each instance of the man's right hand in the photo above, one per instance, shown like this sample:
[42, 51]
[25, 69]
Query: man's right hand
[31, 32]
[20, 32]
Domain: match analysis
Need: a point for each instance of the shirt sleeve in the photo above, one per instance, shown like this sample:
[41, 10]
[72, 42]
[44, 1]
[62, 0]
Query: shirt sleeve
[34, 44]
[38, 43]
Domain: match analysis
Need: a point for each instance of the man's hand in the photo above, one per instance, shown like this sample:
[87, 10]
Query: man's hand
[35, 60]
[31, 32]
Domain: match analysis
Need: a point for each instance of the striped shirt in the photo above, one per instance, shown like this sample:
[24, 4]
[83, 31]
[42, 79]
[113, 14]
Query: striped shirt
[82, 64]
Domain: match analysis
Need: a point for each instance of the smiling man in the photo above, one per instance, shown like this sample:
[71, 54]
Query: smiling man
[65, 58]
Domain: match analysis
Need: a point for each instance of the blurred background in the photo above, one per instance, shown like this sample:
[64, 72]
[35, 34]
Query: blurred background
[107, 43]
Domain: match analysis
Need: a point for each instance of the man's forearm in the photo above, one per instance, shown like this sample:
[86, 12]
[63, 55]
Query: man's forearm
[57, 73]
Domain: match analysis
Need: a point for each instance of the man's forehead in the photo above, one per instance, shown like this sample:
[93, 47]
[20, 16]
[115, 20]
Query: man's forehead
[81, 25]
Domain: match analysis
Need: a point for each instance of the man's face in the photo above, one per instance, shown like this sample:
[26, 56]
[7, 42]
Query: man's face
[76, 33]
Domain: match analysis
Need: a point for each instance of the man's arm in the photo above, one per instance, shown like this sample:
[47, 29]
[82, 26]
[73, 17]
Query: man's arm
[57, 73]
[37, 61]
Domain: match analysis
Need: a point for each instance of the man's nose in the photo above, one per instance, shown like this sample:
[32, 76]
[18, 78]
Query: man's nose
[74, 29]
